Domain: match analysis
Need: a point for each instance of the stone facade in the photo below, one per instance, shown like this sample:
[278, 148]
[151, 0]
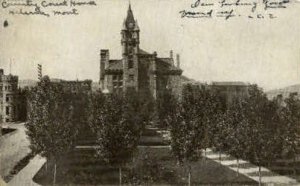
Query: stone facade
[9, 93]
[137, 69]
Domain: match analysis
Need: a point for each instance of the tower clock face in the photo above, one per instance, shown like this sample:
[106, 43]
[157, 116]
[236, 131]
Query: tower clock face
[130, 25]
[129, 35]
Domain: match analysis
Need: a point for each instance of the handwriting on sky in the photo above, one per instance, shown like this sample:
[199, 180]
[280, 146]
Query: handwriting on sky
[46, 7]
[230, 9]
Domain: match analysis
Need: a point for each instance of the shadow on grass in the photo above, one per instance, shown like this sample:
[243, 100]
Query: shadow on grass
[18, 167]
[5, 131]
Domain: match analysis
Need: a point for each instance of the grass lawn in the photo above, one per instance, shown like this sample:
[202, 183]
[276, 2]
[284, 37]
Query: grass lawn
[149, 166]
[286, 169]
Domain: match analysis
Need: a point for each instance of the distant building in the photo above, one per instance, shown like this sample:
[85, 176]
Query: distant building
[9, 95]
[138, 70]
[230, 90]
[74, 86]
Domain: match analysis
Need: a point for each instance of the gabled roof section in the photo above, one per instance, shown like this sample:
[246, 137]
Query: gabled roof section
[229, 83]
[115, 64]
[143, 52]
[166, 66]
[168, 60]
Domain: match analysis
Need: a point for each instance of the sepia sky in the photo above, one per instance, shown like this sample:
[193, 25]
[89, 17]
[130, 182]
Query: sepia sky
[266, 51]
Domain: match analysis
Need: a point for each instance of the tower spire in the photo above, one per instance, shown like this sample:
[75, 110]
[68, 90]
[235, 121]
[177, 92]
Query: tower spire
[129, 7]
[129, 21]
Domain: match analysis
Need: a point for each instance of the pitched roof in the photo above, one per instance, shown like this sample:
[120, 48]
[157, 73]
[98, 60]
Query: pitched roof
[166, 60]
[229, 83]
[115, 64]
[143, 52]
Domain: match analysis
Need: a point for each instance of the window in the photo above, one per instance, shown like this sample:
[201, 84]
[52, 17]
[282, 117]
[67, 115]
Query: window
[7, 98]
[115, 77]
[131, 77]
[115, 84]
[130, 63]
[7, 110]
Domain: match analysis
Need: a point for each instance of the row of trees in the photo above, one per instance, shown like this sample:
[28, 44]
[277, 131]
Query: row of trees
[253, 128]
[57, 118]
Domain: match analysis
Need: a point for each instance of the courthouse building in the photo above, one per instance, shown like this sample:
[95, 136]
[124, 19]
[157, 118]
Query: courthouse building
[138, 70]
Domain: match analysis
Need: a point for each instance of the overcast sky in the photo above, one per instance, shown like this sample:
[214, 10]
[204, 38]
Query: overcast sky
[266, 52]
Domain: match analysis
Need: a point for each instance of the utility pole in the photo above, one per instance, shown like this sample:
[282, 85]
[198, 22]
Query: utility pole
[40, 75]
[10, 67]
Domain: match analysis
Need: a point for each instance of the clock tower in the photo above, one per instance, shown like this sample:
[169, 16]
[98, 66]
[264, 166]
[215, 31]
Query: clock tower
[130, 48]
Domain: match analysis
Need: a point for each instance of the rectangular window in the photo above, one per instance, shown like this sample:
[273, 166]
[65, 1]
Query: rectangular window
[7, 110]
[7, 98]
[115, 84]
[115, 77]
[131, 77]
[130, 63]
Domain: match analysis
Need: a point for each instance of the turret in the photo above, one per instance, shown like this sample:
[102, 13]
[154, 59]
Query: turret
[178, 60]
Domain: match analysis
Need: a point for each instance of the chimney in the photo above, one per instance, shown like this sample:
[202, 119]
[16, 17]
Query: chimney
[171, 54]
[104, 61]
[178, 60]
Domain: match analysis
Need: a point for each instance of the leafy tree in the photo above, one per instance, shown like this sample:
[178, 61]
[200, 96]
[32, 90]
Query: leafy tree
[117, 124]
[23, 103]
[221, 133]
[187, 131]
[165, 104]
[259, 137]
[50, 127]
[291, 130]
[236, 123]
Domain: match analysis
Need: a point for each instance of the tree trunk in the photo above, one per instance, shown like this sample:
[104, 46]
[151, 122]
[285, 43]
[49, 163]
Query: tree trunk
[220, 157]
[259, 172]
[238, 166]
[205, 155]
[189, 176]
[54, 175]
[294, 165]
[46, 166]
[120, 175]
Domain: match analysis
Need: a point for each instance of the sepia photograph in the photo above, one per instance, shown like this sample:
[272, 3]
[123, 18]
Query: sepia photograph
[149, 92]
